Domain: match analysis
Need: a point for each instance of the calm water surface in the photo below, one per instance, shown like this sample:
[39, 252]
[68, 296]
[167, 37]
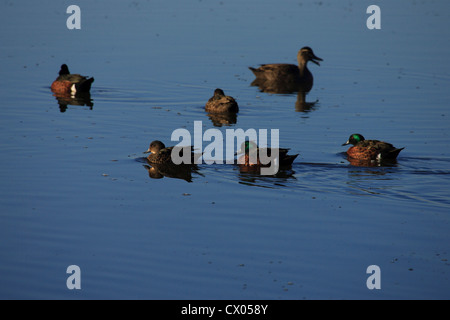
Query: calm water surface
[75, 191]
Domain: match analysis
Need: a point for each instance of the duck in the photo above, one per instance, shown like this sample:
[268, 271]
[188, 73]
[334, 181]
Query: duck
[220, 103]
[160, 154]
[71, 83]
[368, 150]
[249, 148]
[289, 73]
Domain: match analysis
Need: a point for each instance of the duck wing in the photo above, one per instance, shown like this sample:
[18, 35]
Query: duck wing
[275, 71]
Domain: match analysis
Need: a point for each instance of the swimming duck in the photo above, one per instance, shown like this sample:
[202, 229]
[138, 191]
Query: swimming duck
[249, 148]
[370, 149]
[71, 83]
[159, 154]
[220, 103]
[290, 73]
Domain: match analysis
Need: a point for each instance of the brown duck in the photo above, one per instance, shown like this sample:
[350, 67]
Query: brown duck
[220, 103]
[249, 148]
[71, 83]
[160, 154]
[290, 73]
[363, 149]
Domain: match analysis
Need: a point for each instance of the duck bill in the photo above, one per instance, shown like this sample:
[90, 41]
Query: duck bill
[315, 59]
[148, 151]
[240, 151]
[344, 144]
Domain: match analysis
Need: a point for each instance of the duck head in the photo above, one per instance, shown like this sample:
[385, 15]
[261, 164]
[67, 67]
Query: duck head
[64, 70]
[354, 139]
[155, 147]
[247, 146]
[306, 54]
[218, 93]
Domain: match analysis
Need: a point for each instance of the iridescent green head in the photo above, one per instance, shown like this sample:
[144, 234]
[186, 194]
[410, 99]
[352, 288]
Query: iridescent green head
[247, 146]
[354, 139]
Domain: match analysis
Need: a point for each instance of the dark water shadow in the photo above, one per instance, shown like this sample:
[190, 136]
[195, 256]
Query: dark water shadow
[251, 176]
[159, 171]
[285, 87]
[79, 99]
[368, 163]
[222, 119]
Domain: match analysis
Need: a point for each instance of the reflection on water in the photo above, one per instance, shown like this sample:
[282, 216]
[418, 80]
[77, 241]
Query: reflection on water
[370, 163]
[251, 176]
[79, 99]
[370, 181]
[169, 170]
[359, 179]
[247, 174]
[283, 87]
[301, 105]
[159, 171]
[223, 119]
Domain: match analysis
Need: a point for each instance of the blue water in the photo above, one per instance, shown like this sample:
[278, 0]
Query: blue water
[75, 191]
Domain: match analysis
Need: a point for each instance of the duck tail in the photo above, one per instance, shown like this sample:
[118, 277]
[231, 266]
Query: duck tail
[84, 86]
[393, 154]
[256, 72]
[289, 159]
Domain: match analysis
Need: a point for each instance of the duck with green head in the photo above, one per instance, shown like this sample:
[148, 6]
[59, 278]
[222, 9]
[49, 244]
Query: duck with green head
[252, 155]
[363, 149]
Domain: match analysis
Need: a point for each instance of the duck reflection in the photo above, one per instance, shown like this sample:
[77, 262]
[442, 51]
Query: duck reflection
[370, 163]
[251, 175]
[283, 87]
[78, 99]
[222, 119]
[161, 170]
[371, 180]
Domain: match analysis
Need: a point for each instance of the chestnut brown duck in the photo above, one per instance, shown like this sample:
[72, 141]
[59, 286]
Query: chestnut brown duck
[71, 83]
[290, 73]
[363, 149]
[249, 148]
[220, 103]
